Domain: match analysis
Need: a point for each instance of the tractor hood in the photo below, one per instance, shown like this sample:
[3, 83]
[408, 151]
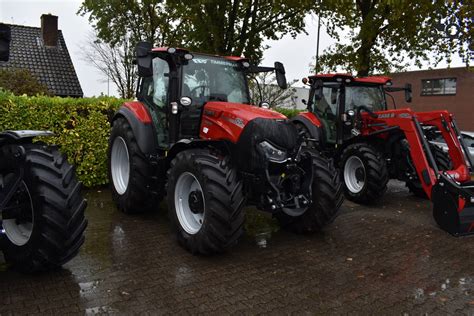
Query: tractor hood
[243, 111]
[226, 120]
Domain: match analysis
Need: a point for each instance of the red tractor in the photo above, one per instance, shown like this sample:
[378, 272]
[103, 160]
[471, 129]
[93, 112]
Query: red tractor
[194, 136]
[371, 144]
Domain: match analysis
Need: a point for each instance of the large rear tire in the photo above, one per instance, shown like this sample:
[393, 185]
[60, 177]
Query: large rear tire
[43, 223]
[135, 184]
[444, 163]
[205, 201]
[327, 196]
[364, 173]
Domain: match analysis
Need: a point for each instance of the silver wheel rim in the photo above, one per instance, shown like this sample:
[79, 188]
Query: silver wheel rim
[354, 174]
[19, 232]
[190, 221]
[120, 165]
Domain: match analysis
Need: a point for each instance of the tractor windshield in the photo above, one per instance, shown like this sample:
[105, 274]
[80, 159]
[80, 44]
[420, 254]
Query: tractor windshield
[370, 96]
[209, 78]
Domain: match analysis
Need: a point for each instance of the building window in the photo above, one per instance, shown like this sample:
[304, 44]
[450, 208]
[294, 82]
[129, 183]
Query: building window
[445, 86]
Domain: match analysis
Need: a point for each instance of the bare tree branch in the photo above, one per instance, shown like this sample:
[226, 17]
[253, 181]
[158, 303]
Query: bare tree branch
[113, 62]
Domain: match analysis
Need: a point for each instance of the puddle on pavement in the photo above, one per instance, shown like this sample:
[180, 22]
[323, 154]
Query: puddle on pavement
[88, 289]
[260, 226]
[100, 310]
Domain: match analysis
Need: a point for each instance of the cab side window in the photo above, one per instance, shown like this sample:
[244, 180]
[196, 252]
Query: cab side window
[327, 106]
[326, 110]
[155, 89]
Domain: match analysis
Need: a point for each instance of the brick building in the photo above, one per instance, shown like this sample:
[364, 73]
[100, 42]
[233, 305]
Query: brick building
[449, 89]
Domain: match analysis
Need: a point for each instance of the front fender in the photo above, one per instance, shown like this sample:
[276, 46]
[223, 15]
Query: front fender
[183, 144]
[313, 125]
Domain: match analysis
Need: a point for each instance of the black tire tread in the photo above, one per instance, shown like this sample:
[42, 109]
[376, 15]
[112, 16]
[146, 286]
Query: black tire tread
[58, 233]
[327, 199]
[376, 173]
[224, 200]
[144, 191]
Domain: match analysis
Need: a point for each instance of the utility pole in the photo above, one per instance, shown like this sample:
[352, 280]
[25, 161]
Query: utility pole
[316, 68]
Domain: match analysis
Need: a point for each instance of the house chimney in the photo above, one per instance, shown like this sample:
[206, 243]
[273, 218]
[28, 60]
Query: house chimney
[49, 30]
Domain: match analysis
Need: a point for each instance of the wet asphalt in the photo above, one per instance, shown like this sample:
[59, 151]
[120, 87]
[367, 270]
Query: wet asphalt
[389, 258]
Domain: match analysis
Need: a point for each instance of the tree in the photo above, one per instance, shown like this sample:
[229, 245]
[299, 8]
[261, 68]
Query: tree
[224, 27]
[21, 81]
[239, 27]
[381, 34]
[155, 21]
[267, 90]
[115, 62]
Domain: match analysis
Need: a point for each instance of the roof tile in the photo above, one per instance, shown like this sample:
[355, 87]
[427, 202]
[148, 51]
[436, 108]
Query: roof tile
[52, 66]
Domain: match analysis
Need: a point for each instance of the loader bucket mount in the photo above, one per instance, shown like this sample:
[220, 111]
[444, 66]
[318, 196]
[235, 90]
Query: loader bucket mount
[453, 206]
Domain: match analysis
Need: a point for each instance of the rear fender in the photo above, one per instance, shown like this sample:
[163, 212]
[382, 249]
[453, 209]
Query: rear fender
[140, 121]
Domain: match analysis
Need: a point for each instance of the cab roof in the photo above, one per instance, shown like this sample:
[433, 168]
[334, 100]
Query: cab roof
[334, 76]
[232, 58]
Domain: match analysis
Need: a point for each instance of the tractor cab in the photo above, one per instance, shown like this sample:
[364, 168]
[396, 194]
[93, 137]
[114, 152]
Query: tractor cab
[176, 84]
[337, 98]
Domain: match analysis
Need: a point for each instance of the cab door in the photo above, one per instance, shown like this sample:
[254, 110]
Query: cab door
[154, 93]
[327, 111]
[196, 86]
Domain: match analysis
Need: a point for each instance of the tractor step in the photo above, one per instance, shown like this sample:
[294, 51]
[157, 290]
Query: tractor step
[453, 206]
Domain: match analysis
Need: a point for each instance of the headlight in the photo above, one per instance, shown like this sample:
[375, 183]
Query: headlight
[273, 154]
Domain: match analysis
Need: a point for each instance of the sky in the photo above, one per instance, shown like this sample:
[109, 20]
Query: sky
[296, 54]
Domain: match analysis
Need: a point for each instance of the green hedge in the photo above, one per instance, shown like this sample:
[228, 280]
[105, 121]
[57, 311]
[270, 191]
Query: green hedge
[288, 112]
[81, 127]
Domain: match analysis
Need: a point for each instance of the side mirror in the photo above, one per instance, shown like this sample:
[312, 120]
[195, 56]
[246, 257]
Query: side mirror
[145, 66]
[408, 93]
[280, 75]
[318, 89]
[5, 38]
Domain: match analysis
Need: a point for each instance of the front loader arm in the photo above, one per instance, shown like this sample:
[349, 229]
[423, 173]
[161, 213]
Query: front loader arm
[446, 124]
[407, 123]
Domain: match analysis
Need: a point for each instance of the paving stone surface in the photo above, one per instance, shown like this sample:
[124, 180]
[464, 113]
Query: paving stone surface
[389, 258]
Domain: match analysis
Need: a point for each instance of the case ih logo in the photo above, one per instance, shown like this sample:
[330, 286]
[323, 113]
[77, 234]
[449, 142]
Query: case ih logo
[237, 121]
[386, 115]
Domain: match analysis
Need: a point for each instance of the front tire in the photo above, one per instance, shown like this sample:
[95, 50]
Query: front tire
[135, 184]
[205, 201]
[327, 196]
[364, 173]
[43, 222]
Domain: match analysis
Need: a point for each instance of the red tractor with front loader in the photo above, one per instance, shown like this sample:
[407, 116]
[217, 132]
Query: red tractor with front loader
[349, 118]
[194, 136]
